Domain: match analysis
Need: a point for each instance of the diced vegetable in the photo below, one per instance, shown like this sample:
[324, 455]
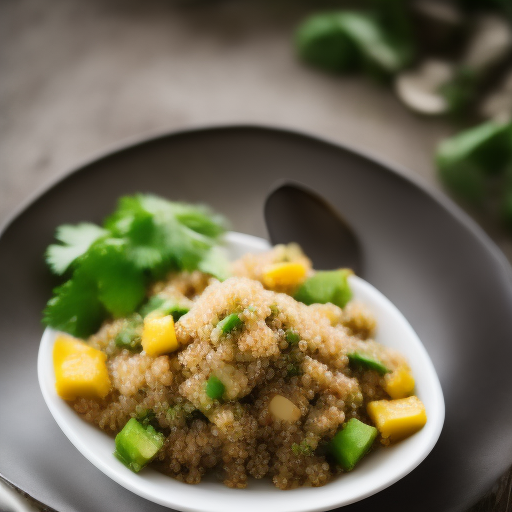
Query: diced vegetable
[284, 274]
[163, 306]
[399, 384]
[159, 336]
[398, 419]
[215, 388]
[80, 370]
[137, 445]
[358, 359]
[230, 323]
[130, 335]
[352, 443]
[292, 337]
[326, 286]
[283, 409]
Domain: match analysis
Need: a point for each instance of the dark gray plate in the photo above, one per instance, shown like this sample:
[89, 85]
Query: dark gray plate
[421, 251]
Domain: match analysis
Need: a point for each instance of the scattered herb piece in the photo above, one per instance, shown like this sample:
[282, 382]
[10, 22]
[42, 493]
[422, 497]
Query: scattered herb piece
[130, 335]
[215, 388]
[366, 362]
[303, 448]
[165, 306]
[293, 370]
[292, 337]
[146, 416]
[230, 323]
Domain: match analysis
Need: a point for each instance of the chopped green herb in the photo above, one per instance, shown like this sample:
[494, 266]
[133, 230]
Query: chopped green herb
[292, 370]
[130, 335]
[369, 363]
[215, 388]
[292, 337]
[146, 416]
[180, 412]
[303, 448]
[274, 310]
[164, 306]
[230, 323]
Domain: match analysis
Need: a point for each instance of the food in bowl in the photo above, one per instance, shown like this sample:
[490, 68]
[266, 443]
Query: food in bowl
[272, 371]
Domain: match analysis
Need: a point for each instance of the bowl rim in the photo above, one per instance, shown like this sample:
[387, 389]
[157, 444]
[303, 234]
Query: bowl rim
[144, 486]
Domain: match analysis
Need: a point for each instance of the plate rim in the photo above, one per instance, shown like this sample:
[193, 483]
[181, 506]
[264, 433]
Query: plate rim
[440, 198]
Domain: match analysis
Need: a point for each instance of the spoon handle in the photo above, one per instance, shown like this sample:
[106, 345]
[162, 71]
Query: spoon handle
[13, 499]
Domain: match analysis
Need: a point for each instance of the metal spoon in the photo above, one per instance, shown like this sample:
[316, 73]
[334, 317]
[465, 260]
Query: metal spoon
[295, 213]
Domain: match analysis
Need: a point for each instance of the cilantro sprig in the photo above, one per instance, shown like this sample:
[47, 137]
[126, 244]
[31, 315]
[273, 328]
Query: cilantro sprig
[109, 267]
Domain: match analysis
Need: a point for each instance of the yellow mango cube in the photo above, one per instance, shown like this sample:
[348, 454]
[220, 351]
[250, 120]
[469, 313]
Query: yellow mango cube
[80, 370]
[159, 335]
[284, 274]
[400, 383]
[397, 419]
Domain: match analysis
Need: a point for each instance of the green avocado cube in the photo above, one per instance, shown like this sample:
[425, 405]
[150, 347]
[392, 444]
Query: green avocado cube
[326, 286]
[136, 445]
[352, 443]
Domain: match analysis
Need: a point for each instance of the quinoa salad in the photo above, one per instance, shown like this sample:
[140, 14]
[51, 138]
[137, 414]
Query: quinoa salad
[261, 367]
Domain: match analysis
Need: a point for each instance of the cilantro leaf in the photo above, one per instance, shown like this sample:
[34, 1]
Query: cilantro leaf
[75, 307]
[145, 237]
[161, 234]
[76, 240]
[200, 219]
[145, 246]
[120, 285]
[215, 263]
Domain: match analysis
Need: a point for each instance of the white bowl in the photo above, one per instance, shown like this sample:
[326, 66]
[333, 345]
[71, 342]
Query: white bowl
[379, 470]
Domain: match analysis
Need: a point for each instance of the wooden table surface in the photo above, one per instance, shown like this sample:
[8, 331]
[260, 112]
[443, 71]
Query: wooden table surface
[78, 77]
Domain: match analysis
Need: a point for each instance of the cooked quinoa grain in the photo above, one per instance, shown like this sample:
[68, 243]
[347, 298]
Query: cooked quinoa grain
[277, 347]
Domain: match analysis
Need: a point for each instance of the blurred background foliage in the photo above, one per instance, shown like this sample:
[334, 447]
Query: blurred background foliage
[440, 58]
